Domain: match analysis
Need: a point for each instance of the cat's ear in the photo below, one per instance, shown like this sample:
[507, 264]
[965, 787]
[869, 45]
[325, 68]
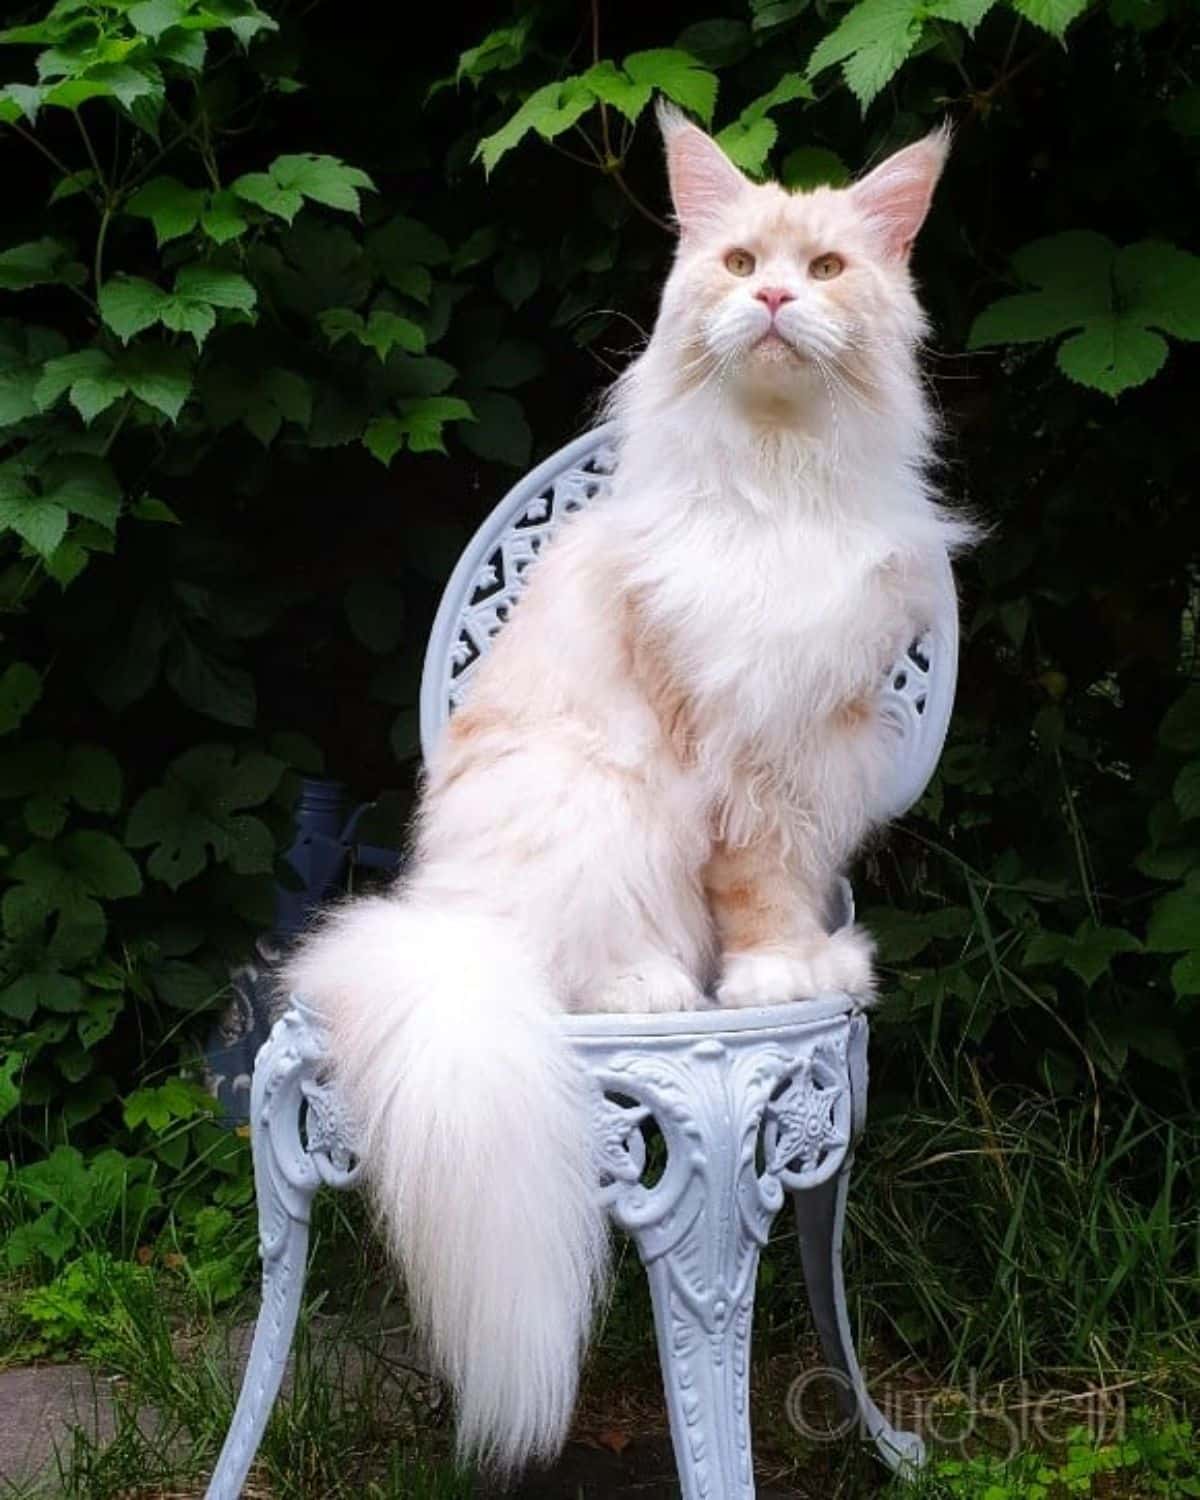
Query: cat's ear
[703, 179]
[897, 194]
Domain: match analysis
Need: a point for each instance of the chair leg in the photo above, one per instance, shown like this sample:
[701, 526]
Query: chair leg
[820, 1219]
[698, 1230]
[300, 1141]
[704, 1351]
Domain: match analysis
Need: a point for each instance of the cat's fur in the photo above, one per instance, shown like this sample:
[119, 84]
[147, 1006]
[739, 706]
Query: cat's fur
[663, 763]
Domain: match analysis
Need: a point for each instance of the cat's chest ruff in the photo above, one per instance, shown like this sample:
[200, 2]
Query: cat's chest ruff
[774, 592]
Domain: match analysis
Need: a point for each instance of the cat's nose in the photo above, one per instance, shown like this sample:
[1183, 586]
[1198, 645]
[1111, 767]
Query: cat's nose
[774, 297]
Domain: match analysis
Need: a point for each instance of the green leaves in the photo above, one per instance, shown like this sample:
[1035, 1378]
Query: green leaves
[91, 378]
[1113, 302]
[375, 612]
[160, 1107]
[130, 304]
[876, 37]
[209, 684]
[678, 75]
[555, 107]
[172, 208]
[38, 507]
[749, 139]
[122, 54]
[501, 49]
[39, 263]
[283, 188]
[94, 379]
[20, 689]
[383, 331]
[812, 166]
[48, 776]
[420, 425]
[549, 111]
[1088, 953]
[64, 882]
[1053, 16]
[176, 210]
[199, 810]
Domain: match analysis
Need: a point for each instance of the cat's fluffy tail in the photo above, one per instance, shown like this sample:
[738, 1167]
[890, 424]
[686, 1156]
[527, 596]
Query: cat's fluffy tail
[475, 1134]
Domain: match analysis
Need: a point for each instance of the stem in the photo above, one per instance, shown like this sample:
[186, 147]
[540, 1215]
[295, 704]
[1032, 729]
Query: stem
[958, 67]
[573, 155]
[1012, 42]
[54, 161]
[604, 134]
[91, 151]
[102, 235]
[1077, 838]
[185, 134]
[646, 213]
[115, 430]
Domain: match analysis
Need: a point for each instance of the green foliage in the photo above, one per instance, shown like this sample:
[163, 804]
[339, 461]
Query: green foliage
[1151, 1458]
[875, 38]
[553, 109]
[1117, 299]
[168, 294]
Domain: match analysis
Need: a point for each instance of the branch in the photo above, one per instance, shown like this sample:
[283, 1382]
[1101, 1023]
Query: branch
[54, 161]
[604, 133]
[91, 151]
[646, 213]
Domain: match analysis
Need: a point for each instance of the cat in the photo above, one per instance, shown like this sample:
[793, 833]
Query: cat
[661, 767]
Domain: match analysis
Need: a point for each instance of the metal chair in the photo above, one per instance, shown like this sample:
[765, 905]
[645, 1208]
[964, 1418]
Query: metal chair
[752, 1105]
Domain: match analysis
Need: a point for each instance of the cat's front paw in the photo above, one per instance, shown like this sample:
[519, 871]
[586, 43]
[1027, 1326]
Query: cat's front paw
[655, 984]
[835, 964]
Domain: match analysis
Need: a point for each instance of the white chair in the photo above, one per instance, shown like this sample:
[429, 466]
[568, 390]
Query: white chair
[751, 1104]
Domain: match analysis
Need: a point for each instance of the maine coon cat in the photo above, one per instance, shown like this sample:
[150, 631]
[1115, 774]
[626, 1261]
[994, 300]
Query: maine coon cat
[668, 756]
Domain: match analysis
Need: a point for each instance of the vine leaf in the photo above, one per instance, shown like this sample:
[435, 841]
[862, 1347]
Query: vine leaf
[549, 110]
[173, 208]
[200, 810]
[748, 141]
[39, 263]
[555, 107]
[383, 331]
[20, 689]
[420, 425]
[1116, 304]
[93, 379]
[1088, 953]
[611, 86]
[677, 74]
[289, 180]
[874, 39]
[1053, 16]
[130, 304]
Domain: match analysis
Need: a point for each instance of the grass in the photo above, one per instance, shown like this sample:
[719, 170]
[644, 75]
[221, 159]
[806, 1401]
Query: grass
[1001, 1244]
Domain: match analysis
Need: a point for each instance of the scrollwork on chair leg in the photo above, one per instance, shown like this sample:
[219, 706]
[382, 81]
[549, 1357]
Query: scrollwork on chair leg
[300, 1141]
[740, 1118]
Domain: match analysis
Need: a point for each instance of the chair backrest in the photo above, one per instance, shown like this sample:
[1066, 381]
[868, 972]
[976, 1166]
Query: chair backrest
[917, 695]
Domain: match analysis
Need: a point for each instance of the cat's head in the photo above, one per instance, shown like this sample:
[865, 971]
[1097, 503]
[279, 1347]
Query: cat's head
[780, 296]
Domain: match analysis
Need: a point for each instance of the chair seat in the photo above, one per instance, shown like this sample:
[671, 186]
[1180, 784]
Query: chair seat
[712, 1020]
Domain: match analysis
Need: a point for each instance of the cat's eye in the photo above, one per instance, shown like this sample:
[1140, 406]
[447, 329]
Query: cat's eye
[739, 262]
[826, 267]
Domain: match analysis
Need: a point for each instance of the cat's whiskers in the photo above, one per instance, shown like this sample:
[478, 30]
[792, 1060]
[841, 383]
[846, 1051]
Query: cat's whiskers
[835, 460]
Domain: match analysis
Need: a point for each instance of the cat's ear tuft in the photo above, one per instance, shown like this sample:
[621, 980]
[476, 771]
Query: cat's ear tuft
[703, 179]
[897, 194]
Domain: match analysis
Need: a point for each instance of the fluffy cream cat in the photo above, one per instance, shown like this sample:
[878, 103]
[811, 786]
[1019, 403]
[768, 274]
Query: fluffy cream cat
[665, 761]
